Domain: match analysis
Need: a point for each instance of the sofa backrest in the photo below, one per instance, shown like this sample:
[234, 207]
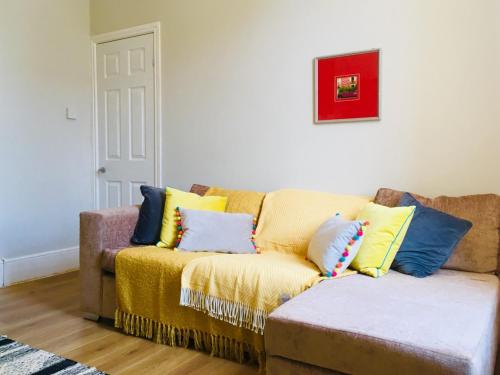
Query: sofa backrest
[480, 248]
[290, 217]
[199, 189]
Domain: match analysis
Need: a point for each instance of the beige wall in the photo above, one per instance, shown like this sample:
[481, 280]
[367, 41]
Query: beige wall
[45, 159]
[238, 92]
[237, 107]
[237, 99]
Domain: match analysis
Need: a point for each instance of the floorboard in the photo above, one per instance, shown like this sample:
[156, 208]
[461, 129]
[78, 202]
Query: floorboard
[45, 314]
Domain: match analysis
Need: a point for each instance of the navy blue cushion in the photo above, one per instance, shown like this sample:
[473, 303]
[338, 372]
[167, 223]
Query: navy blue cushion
[148, 227]
[430, 239]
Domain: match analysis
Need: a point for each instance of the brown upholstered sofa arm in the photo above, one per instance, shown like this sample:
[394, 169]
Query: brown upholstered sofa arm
[108, 228]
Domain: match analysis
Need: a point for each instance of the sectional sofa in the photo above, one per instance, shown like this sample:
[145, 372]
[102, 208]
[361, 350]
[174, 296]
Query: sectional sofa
[446, 323]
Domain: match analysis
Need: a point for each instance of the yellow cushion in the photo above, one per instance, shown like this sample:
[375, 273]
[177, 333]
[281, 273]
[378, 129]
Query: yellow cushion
[240, 201]
[177, 198]
[290, 217]
[383, 237]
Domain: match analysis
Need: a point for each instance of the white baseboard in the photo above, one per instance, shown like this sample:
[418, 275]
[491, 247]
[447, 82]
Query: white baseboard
[35, 266]
[1, 273]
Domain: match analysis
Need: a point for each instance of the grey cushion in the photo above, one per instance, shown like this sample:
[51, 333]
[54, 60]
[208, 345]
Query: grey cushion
[216, 231]
[330, 245]
[397, 324]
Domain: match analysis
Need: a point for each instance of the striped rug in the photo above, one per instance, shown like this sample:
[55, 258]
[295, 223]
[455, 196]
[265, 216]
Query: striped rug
[20, 359]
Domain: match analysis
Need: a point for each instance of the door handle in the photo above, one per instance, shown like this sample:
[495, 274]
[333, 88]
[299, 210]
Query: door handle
[101, 170]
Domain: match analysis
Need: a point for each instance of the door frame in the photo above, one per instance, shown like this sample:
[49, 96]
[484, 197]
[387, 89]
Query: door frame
[150, 28]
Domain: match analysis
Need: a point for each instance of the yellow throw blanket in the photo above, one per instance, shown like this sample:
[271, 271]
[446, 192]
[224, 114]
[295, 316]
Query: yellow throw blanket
[148, 284]
[238, 290]
[244, 289]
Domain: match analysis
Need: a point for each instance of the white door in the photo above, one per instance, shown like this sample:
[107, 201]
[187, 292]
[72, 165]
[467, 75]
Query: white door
[125, 120]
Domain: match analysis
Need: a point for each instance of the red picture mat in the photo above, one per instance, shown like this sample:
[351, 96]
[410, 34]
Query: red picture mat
[347, 87]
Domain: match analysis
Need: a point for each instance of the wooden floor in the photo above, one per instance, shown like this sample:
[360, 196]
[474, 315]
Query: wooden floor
[45, 314]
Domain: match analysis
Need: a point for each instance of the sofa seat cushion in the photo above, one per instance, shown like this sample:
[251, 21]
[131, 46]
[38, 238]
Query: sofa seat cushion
[109, 255]
[108, 259]
[442, 324]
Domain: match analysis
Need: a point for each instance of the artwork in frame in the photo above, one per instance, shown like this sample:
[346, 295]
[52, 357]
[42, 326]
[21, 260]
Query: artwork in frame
[346, 87]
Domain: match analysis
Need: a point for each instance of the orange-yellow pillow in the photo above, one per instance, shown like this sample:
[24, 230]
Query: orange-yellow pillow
[178, 198]
[240, 201]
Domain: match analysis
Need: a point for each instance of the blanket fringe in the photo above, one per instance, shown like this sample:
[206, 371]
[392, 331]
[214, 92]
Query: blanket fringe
[215, 345]
[235, 313]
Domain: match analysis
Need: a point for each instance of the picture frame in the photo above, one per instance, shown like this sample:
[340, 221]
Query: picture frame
[346, 87]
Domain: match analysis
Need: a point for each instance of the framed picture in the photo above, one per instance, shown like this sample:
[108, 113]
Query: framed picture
[346, 87]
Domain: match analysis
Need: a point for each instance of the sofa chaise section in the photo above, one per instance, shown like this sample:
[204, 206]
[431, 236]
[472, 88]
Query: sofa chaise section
[398, 324]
